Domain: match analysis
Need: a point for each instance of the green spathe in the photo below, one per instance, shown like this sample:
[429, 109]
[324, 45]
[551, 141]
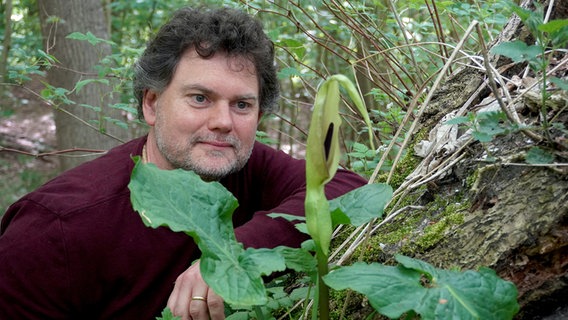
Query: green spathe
[433, 293]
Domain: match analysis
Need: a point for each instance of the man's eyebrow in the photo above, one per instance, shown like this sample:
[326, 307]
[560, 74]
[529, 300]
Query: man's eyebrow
[248, 97]
[208, 91]
[197, 87]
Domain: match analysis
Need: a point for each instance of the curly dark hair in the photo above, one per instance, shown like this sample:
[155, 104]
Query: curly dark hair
[208, 31]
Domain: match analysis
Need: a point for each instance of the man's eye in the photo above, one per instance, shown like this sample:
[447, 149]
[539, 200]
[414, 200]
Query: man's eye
[199, 98]
[242, 105]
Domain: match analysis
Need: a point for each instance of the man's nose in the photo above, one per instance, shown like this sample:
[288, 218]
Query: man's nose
[220, 118]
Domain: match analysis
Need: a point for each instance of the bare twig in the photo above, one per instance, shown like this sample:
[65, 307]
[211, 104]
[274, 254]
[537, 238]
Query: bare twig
[50, 104]
[493, 85]
[54, 153]
[437, 82]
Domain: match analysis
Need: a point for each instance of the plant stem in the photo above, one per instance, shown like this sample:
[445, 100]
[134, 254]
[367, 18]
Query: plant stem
[323, 289]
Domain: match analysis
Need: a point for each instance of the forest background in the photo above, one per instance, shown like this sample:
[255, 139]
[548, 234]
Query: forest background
[80, 71]
[463, 188]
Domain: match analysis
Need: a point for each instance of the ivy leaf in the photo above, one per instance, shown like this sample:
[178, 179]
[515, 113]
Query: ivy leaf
[560, 83]
[553, 25]
[517, 50]
[536, 155]
[162, 199]
[433, 293]
[360, 205]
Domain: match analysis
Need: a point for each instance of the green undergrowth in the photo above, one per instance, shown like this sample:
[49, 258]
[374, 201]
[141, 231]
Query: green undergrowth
[415, 231]
[411, 233]
[407, 163]
[403, 169]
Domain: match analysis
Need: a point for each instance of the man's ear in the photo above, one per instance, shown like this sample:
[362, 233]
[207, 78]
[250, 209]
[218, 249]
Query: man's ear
[149, 105]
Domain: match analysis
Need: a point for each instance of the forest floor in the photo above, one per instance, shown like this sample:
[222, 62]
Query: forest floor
[26, 129]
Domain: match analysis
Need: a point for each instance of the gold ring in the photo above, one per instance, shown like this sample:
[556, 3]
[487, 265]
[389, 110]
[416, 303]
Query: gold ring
[199, 298]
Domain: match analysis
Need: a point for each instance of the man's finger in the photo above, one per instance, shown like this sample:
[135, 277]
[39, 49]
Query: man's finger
[216, 306]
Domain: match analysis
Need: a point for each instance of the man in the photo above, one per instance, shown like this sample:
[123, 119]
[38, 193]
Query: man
[75, 248]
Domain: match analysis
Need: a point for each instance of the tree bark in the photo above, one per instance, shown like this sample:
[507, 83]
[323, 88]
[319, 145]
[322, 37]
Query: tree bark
[516, 214]
[6, 44]
[78, 59]
[472, 204]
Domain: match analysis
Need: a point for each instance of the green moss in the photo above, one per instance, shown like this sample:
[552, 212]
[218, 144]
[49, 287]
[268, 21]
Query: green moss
[435, 232]
[472, 179]
[404, 168]
[406, 164]
[451, 215]
[415, 231]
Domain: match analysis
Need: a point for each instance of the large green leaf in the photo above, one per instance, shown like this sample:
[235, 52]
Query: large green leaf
[180, 200]
[360, 205]
[433, 293]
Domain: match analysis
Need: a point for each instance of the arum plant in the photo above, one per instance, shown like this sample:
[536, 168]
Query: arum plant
[205, 213]
[413, 287]
[322, 160]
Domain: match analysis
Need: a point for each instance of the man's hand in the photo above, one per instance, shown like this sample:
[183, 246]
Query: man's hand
[193, 299]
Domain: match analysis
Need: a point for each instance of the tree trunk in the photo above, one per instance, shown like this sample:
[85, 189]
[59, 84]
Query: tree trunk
[6, 44]
[78, 59]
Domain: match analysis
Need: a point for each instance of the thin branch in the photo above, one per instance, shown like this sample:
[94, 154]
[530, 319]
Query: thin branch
[493, 86]
[431, 94]
[48, 103]
[53, 153]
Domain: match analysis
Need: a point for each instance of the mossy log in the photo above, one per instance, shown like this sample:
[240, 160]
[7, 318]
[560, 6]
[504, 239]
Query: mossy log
[515, 214]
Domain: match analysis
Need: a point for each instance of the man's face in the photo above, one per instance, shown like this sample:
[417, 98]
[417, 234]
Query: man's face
[206, 118]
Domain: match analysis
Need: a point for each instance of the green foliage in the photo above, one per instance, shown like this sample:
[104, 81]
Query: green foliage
[168, 315]
[536, 155]
[486, 125]
[235, 273]
[362, 159]
[416, 286]
[89, 37]
[361, 205]
[205, 215]
[518, 51]
[279, 301]
[550, 36]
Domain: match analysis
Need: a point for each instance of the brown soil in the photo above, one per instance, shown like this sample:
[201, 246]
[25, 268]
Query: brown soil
[26, 129]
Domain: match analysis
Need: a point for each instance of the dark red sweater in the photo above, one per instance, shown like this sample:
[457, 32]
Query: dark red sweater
[75, 249]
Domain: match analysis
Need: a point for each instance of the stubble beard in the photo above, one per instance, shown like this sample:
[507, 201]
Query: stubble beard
[181, 156]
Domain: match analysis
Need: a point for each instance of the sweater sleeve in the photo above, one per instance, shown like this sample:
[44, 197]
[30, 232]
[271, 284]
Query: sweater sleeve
[33, 266]
[278, 184]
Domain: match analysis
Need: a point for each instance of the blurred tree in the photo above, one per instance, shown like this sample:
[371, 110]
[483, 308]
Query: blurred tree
[6, 43]
[77, 63]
